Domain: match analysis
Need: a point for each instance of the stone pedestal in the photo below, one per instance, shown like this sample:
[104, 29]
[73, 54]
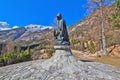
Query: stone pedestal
[62, 50]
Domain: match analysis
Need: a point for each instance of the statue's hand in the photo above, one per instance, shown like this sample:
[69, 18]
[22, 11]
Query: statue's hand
[56, 33]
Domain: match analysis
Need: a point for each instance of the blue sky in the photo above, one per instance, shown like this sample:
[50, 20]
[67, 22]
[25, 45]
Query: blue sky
[24, 12]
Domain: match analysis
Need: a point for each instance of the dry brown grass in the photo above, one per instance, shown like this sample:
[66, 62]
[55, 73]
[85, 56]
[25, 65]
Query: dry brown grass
[108, 60]
[113, 58]
[115, 61]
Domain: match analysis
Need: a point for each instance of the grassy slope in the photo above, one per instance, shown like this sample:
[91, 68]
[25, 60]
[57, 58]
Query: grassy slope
[112, 60]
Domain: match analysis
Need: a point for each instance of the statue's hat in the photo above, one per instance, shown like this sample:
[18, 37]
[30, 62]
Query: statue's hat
[59, 15]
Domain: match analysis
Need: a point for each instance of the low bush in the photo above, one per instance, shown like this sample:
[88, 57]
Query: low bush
[91, 47]
[10, 58]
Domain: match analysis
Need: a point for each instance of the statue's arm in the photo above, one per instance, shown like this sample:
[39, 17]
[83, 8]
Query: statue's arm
[61, 27]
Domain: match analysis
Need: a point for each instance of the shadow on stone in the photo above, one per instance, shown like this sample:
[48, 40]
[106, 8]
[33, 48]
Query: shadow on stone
[86, 61]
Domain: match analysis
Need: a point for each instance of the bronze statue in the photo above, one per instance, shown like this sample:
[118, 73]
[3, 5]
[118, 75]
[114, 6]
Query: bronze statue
[60, 33]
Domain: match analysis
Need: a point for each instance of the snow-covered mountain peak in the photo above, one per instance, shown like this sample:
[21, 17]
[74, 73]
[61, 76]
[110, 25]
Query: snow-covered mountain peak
[31, 27]
[4, 26]
[35, 27]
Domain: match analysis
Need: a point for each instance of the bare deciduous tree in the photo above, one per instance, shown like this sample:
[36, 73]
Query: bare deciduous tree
[100, 4]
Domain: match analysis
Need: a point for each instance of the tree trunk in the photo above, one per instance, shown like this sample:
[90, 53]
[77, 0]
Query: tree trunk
[103, 37]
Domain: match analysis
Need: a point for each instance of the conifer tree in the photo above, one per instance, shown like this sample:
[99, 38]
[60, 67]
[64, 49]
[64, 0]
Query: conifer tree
[115, 19]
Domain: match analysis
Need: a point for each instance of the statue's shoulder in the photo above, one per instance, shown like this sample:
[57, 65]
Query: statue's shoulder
[62, 20]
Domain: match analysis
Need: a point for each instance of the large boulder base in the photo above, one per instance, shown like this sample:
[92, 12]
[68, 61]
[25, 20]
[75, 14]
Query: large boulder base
[62, 66]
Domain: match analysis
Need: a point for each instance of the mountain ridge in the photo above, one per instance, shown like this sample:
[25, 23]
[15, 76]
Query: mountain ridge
[19, 32]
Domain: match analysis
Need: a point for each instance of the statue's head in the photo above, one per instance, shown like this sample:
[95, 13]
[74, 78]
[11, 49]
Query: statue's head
[59, 16]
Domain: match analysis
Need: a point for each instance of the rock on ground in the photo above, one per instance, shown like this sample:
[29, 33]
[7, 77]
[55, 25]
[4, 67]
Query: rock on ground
[60, 67]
